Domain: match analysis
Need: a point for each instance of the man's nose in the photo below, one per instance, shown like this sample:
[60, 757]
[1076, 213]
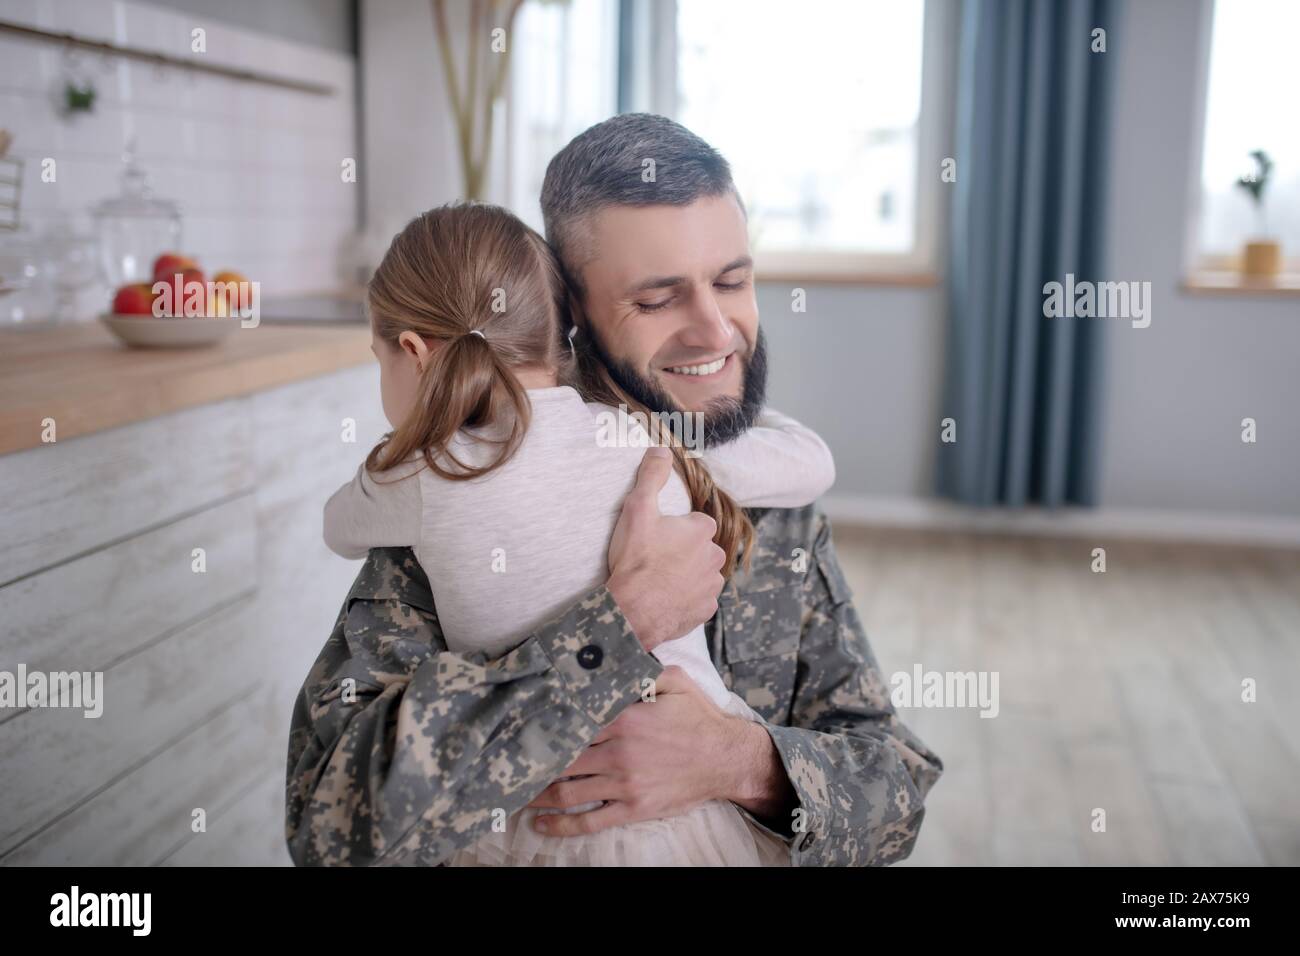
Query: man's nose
[707, 325]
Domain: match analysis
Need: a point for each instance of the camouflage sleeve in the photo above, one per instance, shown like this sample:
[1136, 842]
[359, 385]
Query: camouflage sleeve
[401, 752]
[859, 775]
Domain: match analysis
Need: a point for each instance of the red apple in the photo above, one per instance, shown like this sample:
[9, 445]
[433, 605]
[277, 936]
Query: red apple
[135, 299]
[170, 263]
[188, 292]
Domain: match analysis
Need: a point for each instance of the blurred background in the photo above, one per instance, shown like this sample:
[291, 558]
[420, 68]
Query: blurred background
[1101, 507]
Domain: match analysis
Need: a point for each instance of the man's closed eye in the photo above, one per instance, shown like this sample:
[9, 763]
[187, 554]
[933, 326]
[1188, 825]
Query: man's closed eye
[653, 306]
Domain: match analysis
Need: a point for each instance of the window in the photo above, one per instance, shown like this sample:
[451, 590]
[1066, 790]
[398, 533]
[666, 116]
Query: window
[1250, 104]
[819, 109]
[563, 78]
[827, 111]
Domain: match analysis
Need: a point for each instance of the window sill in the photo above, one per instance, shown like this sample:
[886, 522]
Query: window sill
[1233, 283]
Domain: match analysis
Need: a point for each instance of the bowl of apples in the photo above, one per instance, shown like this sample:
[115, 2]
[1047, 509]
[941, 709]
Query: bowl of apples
[180, 308]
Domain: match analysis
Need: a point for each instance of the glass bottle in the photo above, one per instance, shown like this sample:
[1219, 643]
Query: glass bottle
[135, 227]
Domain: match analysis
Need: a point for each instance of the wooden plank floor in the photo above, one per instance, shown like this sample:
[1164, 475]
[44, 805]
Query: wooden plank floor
[1118, 691]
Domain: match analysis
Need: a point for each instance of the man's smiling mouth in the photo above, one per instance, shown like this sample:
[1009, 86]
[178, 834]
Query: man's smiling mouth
[706, 368]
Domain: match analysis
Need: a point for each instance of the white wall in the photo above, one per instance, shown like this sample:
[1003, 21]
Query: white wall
[412, 161]
[255, 168]
[864, 367]
[407, 123]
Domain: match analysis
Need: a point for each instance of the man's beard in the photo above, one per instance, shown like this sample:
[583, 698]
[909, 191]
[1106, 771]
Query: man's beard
[724, 419]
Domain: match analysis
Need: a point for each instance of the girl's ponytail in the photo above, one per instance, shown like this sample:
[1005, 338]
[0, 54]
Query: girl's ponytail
[483, 291]
[464, 385]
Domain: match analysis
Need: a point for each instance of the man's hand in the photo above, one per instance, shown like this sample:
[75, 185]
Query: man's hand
[660, 758]
[665, 572]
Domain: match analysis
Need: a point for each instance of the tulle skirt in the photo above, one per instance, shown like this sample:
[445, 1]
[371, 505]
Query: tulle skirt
[712, 834]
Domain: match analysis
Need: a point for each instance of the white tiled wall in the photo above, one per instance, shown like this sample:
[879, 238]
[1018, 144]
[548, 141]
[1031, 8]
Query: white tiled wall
[255, 168]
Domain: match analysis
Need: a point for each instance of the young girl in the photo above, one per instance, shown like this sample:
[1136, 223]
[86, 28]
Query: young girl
[499, 479]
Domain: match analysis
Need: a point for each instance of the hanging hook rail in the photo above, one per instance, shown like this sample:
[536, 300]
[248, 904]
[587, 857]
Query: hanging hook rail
[162, 59]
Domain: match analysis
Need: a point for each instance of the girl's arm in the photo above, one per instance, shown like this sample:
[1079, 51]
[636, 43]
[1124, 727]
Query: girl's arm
[778, 463]
[368, 513]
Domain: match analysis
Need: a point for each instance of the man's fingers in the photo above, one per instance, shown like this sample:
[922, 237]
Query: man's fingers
[605, 735]
[573, 824]
[671, 680]
[563, 794]
[592, 760]
[651, 476]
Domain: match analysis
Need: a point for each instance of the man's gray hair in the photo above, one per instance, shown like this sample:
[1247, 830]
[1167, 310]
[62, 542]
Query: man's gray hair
[633, 159]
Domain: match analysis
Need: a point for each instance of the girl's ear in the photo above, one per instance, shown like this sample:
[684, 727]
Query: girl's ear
[411, 343]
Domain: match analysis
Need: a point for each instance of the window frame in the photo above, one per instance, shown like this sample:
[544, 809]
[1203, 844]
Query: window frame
[653, 74]
[505, 117]
[1215, 272]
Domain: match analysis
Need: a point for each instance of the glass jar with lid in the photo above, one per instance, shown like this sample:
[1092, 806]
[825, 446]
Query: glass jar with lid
[27, 298]
[135, 227]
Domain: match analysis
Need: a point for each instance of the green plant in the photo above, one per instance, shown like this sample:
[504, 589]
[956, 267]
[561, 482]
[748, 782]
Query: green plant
[1257, 182]
[78, 97]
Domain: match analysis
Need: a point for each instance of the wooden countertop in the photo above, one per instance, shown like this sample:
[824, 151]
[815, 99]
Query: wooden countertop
[87, 381]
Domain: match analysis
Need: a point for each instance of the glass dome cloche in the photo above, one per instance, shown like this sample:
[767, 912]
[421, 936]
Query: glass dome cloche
[135, 227]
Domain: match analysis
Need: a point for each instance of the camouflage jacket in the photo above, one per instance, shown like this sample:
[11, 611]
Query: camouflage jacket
[401, 752]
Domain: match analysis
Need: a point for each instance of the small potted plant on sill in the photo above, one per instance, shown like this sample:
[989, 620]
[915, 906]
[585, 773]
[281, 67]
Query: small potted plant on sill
[1262, 257]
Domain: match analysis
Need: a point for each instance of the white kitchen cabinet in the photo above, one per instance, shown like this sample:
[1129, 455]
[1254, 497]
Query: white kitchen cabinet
[200, 669]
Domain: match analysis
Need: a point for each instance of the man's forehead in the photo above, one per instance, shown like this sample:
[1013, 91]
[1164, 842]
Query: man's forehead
[628, 243]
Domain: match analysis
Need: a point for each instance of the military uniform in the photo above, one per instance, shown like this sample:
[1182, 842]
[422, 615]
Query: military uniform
[401, 752]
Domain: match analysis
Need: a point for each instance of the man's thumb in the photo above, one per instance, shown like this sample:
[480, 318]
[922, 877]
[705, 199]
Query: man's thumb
[656, 466]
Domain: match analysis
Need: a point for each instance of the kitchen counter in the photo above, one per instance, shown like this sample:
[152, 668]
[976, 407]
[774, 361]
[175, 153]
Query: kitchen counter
[169, 540]
[84, 379]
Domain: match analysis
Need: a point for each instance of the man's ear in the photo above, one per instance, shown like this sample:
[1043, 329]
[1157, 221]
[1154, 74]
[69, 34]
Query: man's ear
[410, 343]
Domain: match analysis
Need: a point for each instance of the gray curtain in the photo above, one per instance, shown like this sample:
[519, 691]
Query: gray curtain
[1032, 120]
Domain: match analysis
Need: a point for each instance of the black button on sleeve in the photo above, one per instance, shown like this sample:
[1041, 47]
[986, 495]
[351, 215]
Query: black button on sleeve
[808, 841]
[590, 657]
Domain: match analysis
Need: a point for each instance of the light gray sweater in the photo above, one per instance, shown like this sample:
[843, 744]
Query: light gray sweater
[509, 551]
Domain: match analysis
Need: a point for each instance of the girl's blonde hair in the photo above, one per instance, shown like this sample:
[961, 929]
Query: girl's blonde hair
[470, 268]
